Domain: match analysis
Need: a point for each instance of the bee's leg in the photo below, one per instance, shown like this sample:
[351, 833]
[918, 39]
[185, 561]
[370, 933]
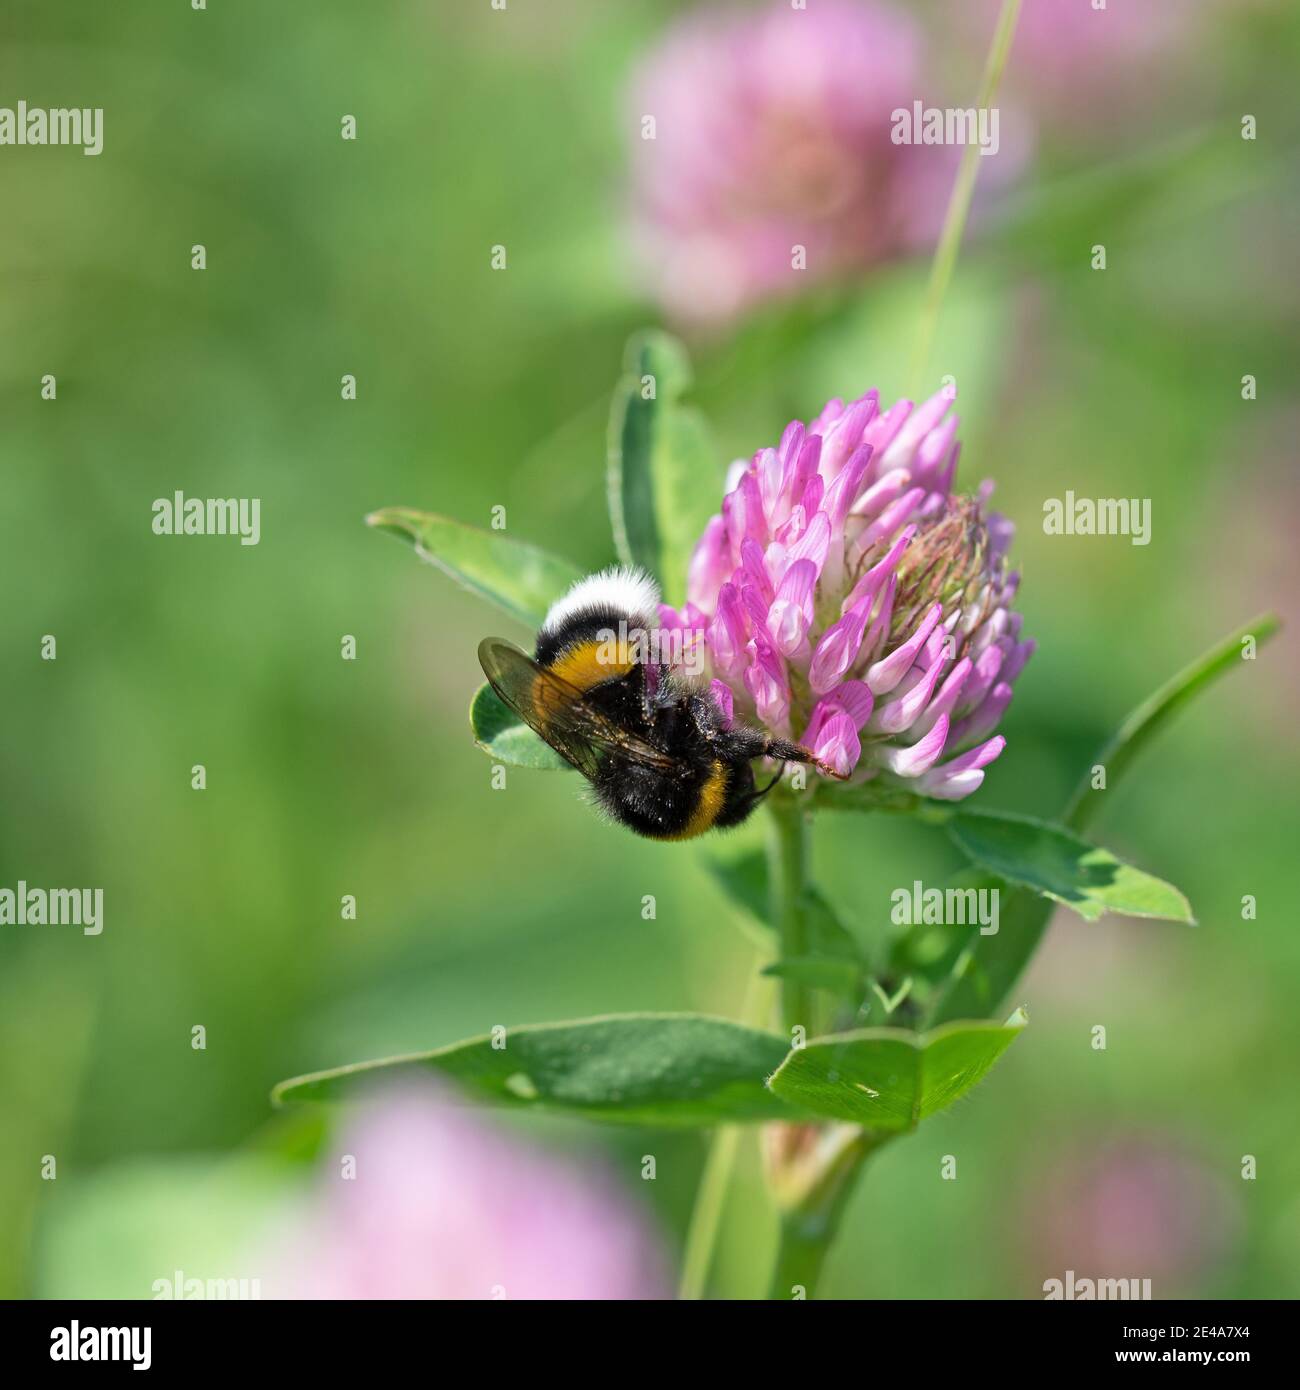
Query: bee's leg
[788, 752]
[796, 753]
[763, 791]
[747, 803]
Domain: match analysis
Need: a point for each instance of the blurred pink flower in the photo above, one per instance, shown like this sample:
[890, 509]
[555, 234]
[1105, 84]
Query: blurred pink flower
[443, 1205]
[1138, 1207]
[1085, 66]
[851, 601]
[772, 131]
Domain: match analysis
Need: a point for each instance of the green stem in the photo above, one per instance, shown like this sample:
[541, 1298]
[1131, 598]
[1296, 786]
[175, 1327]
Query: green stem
[706, 1215]
[719, 1163]
[788, 863]
[954, 222]
[809, 1227]
[800, 1256]
[809, 1223]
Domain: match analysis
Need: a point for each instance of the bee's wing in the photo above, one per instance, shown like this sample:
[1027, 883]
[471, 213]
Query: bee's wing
[560, 714]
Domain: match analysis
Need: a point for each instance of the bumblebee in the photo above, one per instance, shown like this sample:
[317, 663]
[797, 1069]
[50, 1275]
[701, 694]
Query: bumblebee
[655, 745]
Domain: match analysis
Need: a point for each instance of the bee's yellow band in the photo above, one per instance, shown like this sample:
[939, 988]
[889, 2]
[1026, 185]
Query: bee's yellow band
[588, 663]
[712, 795]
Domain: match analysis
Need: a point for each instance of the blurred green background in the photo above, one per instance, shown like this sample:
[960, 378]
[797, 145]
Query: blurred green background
[478, 388]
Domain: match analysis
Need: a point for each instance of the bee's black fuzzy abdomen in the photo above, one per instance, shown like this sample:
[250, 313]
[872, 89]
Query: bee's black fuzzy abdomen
[647, 801]
[713, 788]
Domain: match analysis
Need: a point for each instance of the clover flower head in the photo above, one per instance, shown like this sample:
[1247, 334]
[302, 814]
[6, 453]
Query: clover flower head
[850, 600]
